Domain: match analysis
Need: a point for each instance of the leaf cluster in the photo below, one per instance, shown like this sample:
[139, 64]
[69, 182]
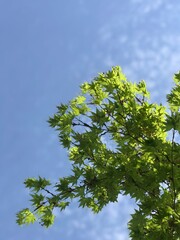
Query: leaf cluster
[118, 143]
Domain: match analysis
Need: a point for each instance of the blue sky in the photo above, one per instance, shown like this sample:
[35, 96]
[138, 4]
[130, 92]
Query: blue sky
[47, 49]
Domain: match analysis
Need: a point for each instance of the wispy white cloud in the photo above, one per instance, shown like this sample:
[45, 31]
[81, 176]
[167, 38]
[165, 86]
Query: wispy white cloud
[143, 45]
[110, 223]
[149, 6]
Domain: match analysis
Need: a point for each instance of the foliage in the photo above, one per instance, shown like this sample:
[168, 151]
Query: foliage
[119, 143]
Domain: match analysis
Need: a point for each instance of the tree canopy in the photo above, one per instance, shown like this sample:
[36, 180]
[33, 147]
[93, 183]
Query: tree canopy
[118, 142]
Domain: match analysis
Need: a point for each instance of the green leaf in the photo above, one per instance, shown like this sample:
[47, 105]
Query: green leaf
[36, 184]
[177, 78]
[37, 199]
[25, 216]
[47, 219]
[63, 205]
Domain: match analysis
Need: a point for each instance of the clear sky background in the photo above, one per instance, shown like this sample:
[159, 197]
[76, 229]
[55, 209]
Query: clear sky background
[47, 49]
